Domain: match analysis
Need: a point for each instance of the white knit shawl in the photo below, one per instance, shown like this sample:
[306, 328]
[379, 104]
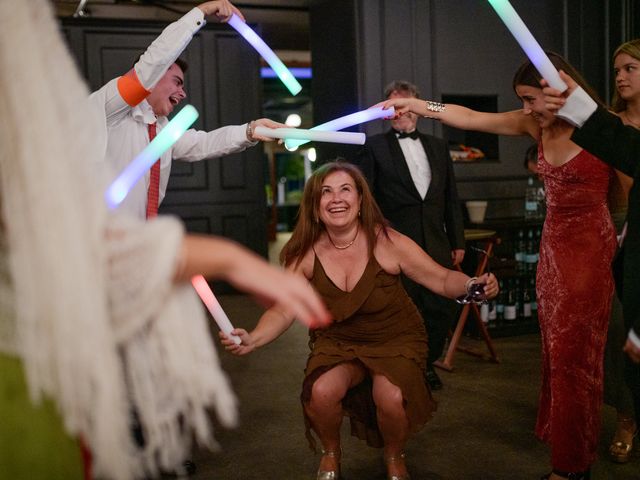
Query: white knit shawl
[98, 322]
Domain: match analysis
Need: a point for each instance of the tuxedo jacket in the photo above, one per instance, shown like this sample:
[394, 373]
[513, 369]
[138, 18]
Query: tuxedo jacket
[434, 222]
[605, 136]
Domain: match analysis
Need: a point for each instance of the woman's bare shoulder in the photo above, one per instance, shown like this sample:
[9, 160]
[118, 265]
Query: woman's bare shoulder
[305, 267]
[387, 250]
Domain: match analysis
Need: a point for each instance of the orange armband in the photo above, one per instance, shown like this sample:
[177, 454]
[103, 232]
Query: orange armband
[130, 88]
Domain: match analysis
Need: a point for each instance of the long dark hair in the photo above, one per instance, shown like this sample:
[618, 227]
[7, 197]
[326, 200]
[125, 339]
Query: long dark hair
[309, 227]
[527, 74]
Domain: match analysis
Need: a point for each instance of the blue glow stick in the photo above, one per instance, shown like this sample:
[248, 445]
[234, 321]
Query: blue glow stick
[121, 186]
[298, 72]
[345, 122]
[263, 49]
[528, 43]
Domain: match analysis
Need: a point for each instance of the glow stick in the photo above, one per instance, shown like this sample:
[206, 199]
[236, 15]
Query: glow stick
[214, 307]
[346, 122]
[298, 72]
[312, 136]
[121, 186]
[263, 49]
[528, 43]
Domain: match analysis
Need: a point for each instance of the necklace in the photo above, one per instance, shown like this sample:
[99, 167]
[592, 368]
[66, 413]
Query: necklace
[343, 247]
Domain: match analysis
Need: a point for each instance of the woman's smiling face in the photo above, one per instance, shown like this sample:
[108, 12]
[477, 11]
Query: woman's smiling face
[339, 200]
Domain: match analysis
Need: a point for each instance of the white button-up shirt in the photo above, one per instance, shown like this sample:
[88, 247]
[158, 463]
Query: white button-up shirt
[417, 162]
[127, 127]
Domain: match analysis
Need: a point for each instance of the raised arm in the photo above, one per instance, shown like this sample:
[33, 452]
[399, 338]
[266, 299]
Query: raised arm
[165, 49]
[515, 122]
[127, 91]
[403, 253]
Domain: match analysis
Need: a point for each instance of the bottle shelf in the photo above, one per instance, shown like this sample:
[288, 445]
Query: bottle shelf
[514, 262]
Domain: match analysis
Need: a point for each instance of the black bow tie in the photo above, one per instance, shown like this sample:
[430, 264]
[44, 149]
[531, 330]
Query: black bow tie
[412, 135]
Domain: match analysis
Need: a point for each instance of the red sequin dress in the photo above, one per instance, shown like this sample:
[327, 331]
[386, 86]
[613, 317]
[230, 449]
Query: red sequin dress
[574, 289]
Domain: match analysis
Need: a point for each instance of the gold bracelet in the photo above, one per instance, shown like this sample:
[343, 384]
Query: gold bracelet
[436, 107]
[250, 132]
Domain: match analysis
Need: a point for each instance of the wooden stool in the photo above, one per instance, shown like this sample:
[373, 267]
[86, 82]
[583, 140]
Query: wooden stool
[490, 239]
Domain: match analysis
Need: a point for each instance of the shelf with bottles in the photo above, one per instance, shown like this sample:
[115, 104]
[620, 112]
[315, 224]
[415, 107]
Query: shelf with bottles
[514, 311]
[514, 262]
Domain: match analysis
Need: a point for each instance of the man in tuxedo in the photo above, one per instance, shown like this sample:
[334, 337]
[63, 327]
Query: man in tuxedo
[411, 177]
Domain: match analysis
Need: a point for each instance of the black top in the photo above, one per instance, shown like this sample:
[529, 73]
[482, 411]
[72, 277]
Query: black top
[605, 136]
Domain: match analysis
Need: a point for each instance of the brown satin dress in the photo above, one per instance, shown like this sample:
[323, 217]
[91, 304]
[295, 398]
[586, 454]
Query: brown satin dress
[377, 325]
[574, 289]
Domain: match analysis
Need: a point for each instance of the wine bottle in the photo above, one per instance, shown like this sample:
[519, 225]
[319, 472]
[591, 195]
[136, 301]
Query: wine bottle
[510, 306]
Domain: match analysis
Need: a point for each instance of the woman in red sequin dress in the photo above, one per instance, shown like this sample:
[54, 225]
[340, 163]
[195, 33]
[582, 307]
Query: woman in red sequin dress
[574, 282]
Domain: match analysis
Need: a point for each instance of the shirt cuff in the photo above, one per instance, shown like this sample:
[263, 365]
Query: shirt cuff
[578, 108]
[634, 338]
[194, 18]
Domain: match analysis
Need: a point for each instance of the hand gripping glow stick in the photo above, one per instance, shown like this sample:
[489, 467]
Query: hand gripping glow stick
[214, 307]
[529, 44]
[263, 49]
[346, 122]
[313, 136]
[121, 186]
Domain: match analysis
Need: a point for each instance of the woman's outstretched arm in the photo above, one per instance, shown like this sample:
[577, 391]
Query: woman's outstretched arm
[515, 122]
[219, 258]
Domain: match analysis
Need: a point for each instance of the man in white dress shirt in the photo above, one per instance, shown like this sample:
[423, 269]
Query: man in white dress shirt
[411, 177]
[136, 106]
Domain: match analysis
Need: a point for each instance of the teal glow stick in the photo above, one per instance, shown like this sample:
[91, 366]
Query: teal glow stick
[263, 49]
[528, 43]
[133, 172]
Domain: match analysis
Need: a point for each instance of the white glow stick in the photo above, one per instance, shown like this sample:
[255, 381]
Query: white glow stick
[528, 43]
[346, 122]
[263, 49]
[353, 138]
[214, 307]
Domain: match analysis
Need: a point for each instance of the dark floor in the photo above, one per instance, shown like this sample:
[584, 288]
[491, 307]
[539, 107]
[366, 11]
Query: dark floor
[483, 428]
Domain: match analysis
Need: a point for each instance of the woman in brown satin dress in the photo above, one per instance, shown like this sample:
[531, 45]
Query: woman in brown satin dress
[369, 364]
[574, 283]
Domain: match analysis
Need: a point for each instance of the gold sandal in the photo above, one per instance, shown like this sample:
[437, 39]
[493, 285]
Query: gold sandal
[330, 474]
[620, 452]
[396, 458]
